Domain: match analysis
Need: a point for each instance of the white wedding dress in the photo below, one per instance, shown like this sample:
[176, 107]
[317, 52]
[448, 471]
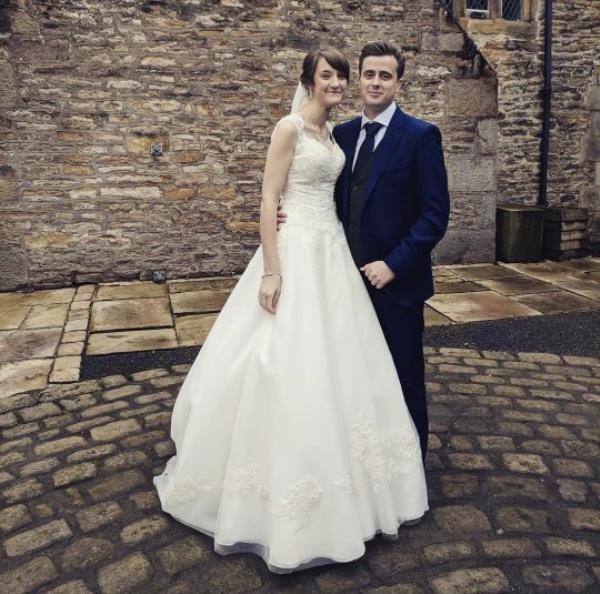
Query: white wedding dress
[293, 439]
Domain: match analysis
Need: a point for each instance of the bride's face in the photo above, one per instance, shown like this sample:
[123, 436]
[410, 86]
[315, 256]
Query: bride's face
[328, 84]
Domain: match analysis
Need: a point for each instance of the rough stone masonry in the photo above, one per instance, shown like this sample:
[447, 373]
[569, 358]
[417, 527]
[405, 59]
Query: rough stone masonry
[88, 87]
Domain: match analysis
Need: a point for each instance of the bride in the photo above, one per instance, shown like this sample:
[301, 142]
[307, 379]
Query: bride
[293, 440]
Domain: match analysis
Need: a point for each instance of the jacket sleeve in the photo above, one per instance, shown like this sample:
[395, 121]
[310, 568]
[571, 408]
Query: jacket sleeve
[433, 200]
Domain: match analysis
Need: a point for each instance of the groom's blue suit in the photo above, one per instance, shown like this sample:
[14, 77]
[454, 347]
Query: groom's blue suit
[405, 213]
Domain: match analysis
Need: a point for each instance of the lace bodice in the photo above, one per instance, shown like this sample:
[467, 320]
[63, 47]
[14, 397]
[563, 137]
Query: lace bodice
[307, 196]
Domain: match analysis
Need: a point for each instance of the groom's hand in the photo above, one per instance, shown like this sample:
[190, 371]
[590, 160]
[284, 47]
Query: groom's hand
[281, 216]
[378, 273]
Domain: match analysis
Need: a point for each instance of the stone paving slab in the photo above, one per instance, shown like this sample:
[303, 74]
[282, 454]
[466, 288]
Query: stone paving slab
[11, 317]
[130, 313]
[192, 330]
[199, 301]
[558, 302]
[28, 344]
[21, 376]
[518, 285]
[137, 290]
[587, 288]
[103, 343]
[545, 271]
[46, 316]
[476, 272]
[513, 477]
[435, 318]
[44, 297]
[472, 307]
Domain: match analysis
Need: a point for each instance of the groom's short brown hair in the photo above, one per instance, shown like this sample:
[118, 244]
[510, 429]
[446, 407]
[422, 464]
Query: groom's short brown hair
[382, 48]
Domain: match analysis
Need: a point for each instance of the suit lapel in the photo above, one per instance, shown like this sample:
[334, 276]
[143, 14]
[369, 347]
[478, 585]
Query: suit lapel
[384, 149]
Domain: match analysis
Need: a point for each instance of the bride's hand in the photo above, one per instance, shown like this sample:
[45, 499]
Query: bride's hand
[269, 292]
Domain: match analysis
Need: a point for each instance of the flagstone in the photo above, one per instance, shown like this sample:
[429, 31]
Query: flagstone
[193, 330]
[22, 376]
[588, 275]
[132, 313]
[457, 286]
[518, 285]
[18, 345]
[199, 301]
[587, 288]
[581, 265]
[138, 290]
[70, 348]
[44, 297]
[46, 316]
[133, 340]
[12, 317]
[545, 271]
[435, 318]
[471, 307]
[558, 302]
[475, 272]
[204, 284]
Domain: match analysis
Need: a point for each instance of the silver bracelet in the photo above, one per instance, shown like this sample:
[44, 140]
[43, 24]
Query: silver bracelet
[272, 274]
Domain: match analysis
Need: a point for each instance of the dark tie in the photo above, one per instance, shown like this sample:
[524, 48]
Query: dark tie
[366, 148]
[358, 186]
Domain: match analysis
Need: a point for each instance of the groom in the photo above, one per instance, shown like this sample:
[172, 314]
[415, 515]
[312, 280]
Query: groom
[392, 198]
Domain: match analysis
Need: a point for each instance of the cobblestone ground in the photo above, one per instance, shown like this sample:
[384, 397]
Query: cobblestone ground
[513, 477]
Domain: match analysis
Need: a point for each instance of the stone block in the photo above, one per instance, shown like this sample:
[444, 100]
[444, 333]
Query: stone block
[472, 173]
[476, 580]
[28, 576]
[98, 515]
[125, 575]
[118, 483]
[473, 97]
[116, 430]
[85, 552]
[74, 474]
[37, 538]
[442, 42]
[136, 532]
[182, 554]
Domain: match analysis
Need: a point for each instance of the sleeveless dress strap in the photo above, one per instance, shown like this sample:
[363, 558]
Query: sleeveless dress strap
[296, 119]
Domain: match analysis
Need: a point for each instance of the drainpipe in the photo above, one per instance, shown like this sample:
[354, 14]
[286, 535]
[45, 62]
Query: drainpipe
[546, 96]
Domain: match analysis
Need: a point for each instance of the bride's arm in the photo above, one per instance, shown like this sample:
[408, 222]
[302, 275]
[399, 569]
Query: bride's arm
[279, 158]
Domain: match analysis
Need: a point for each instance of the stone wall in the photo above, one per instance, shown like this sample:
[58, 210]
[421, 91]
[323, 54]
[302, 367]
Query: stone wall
[88, 86]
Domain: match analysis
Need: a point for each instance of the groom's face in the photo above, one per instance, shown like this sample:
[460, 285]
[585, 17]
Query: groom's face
[378, 82]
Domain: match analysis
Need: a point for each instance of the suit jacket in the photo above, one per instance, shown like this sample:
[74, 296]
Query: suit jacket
[407, 204]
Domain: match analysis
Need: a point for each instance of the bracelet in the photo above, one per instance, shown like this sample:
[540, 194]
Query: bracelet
[272, 274]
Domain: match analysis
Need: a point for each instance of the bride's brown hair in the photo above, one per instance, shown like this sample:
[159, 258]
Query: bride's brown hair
[333, 57]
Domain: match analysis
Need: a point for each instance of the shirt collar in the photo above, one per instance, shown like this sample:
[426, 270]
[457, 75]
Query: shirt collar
[384, 118]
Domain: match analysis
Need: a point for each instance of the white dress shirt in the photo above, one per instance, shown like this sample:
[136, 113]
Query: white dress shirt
[384, 118]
